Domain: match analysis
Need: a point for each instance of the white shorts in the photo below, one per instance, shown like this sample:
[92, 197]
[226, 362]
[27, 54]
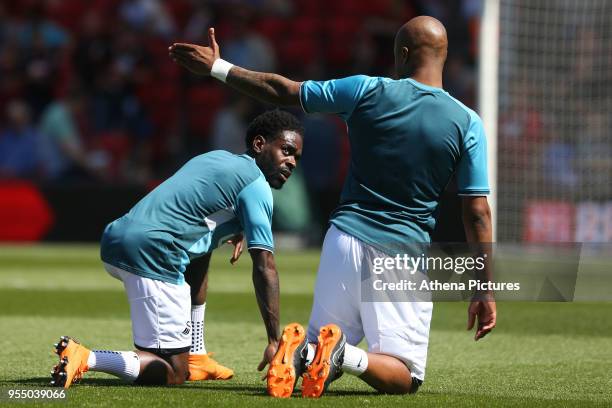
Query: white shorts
[399, 329]
[160, 312]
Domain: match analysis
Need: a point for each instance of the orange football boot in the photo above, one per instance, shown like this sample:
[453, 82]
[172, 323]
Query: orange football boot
[203, 367]
[288, 362]
[73, 362]
[327, 363]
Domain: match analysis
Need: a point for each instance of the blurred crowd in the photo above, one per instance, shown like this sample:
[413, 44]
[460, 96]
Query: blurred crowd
[89, 95]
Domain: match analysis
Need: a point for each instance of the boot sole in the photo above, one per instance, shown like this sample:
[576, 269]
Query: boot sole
[281, 374]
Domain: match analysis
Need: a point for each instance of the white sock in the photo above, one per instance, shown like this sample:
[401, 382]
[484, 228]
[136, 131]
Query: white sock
[355, 360]
[123, 364]
[197, 329]
[312, 348]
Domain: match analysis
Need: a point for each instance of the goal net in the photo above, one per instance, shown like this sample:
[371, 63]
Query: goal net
[554, 121]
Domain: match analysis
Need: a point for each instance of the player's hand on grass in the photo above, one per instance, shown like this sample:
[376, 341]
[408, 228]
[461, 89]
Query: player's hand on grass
[238, 242]
[485, 311]
[196, 58]
[268, 355]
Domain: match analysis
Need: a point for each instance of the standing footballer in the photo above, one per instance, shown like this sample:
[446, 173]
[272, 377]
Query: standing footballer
[408, 137]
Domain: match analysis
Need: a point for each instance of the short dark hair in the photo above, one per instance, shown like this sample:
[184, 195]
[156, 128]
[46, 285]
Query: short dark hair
[271, 124]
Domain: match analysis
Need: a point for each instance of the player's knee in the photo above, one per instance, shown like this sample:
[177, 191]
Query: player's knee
[398, 387]
[155, 372]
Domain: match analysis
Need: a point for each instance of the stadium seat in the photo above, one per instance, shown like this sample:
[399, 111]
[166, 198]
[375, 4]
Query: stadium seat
[296, 52]
[272, 28]
[160, 101]
[310, 7]
[203, 103]
[306, 26]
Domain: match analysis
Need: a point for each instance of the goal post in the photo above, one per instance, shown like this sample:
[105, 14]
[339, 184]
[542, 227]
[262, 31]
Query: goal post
[488, 60]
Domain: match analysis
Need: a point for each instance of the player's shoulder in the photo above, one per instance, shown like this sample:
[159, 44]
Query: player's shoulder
[360, 81]
[474, 118]
[228, 171]
[223, 155]
[366, 85]
[371, 81]
[223, 159]
[258, 190]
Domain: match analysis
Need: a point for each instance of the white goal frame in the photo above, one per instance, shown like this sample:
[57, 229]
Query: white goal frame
[488, 63]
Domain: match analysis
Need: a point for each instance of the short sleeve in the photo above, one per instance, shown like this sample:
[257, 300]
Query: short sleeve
[339, 96]
[472, 178]
[254, 210]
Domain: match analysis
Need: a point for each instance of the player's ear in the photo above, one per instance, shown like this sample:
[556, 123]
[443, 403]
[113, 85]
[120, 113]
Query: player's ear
[258, 143]
[405, 54]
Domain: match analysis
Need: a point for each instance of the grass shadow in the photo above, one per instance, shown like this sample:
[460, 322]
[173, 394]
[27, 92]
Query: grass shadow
[260, 390]
[44, 382]
[239, 389]
[34, 381]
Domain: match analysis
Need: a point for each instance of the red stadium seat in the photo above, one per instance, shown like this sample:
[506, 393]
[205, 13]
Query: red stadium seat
[180, 10]
[296, 52]
[338, 53]
[69, 13]
[365, 8]
[160, 100]
[346, 7]
[310, 7]
[343, 27]
[342, 33]
[272, 28]
[306, 26]
[203, 102]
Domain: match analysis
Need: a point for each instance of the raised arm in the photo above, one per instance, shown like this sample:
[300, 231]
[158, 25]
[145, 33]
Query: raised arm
[206, 60]
[478, 230]
[265, 281]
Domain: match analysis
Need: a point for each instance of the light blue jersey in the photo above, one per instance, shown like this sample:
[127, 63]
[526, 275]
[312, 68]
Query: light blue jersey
[407, 140]
[211, 198]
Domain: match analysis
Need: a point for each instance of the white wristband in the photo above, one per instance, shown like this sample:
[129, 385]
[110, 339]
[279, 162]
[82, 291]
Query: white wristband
[220, 69]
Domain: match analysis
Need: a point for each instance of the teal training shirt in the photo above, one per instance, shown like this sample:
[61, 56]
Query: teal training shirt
[407, 140]
[211, 198]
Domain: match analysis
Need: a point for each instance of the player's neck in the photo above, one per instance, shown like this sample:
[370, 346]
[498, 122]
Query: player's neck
[427, 75]
[429, 80]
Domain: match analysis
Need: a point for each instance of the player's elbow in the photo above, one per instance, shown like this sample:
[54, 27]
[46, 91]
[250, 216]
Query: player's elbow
[264, 274]
[287, 93]
[478, 216]
[476, 211]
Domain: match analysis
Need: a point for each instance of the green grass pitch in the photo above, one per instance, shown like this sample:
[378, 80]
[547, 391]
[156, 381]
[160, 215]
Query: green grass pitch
[541, 354]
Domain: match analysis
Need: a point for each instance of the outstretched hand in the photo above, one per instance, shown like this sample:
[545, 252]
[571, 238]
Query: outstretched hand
[196, 58]
[486, 314]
